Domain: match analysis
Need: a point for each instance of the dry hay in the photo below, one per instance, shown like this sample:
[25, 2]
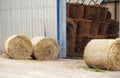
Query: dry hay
[71, 27]
[113, 27]
[45, 48]
[80, 45]
[92, 12]
[96, 12]
[18, 47]
[99, 28]
[94, 28]
[103, 13]
[103, 53]
[103, 28]
[71, 34]
[83, 27]
[76, 10]
[108, 15]
[68, 9]
[70, 45]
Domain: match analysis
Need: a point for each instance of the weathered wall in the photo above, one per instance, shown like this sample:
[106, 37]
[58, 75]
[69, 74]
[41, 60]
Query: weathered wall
[111, 9]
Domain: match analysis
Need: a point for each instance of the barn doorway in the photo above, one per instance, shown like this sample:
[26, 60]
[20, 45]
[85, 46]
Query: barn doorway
[86, 20]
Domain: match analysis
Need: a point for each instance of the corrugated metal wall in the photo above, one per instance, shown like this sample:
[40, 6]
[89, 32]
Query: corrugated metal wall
[29, 17]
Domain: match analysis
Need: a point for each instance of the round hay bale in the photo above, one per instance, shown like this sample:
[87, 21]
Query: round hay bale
[103, 53]
[45, 48]
[18, 47]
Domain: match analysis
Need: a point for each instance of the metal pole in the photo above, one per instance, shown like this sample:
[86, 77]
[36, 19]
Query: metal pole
[115, 8]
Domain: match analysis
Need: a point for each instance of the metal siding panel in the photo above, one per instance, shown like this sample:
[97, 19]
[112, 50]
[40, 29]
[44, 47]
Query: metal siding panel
[51, 24]
[29, 17]
[3, 4]
[1, 36]
[0, 31]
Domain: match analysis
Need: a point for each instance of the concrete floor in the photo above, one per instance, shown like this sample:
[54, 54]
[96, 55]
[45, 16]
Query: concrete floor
[63, 68]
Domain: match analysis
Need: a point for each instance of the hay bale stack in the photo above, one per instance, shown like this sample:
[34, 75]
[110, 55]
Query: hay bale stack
[45, 48]
[80, 45]
[68, 9]
[96, 12]
[103, 28]
[99, 29]
[71, 34]
[18, 47]
[113, 27]
[76, 10]
[83, 27]
[108, 15]
[94, 28]
[103, 53]
[71, 27]
[103, 13]
[92, 12]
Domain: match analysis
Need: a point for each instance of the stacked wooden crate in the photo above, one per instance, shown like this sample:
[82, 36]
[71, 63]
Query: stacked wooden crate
[85, 22]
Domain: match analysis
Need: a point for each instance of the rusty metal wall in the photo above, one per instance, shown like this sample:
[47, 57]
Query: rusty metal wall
[29, 17]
